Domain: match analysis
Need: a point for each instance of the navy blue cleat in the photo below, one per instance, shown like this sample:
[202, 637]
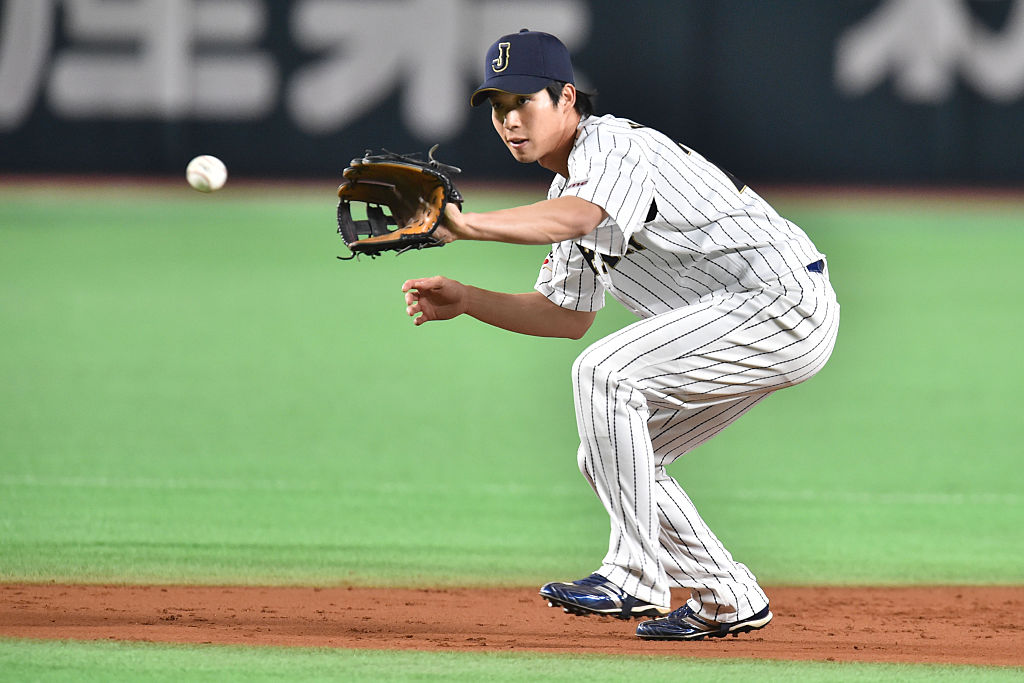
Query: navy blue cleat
[596, 595]
[684, 624]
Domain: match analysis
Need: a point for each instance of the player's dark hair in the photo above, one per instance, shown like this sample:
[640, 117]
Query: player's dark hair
[584, 100]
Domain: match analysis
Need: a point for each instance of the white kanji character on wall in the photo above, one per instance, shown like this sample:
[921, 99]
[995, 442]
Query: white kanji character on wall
[926, 45]
[26, 37]
[165, 75]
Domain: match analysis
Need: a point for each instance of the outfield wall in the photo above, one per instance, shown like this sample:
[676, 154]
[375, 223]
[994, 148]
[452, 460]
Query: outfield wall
[890, 91]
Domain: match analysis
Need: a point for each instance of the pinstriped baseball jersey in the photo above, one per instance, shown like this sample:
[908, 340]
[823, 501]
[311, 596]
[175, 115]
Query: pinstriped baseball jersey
[734, 302]
[678, 227]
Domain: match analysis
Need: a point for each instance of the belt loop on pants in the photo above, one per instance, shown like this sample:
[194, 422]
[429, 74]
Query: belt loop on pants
[817, 267]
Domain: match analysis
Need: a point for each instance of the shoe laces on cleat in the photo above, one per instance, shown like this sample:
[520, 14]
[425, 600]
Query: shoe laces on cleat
[593, 580]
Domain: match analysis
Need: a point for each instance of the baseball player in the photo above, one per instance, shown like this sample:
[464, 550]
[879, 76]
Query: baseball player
[733, 300]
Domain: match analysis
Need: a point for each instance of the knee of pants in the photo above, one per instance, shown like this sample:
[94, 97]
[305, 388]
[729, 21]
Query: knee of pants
[582, 456]
[594, 379]
[590, 377]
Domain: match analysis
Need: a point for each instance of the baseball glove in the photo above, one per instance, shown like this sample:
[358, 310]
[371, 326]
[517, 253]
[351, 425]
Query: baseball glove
[414, 191]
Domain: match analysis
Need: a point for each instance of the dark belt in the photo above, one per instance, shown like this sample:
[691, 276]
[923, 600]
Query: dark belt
[817, 267]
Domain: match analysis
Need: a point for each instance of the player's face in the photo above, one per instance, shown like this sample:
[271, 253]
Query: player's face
[531, 126]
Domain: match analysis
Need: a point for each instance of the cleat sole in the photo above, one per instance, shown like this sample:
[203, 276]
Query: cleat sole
[746, 627]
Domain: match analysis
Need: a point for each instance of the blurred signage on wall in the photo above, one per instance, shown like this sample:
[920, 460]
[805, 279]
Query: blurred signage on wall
[207, 59]
[138, 85]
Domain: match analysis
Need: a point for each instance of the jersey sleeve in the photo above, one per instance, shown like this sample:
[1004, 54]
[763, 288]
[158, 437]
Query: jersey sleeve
[612, 171]
[567, 281]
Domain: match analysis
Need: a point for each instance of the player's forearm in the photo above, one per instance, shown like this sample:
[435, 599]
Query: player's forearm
[547, 222]
[528, 313]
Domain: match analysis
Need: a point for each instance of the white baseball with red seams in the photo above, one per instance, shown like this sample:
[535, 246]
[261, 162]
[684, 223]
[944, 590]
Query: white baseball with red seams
[206, 173]
[734, 303]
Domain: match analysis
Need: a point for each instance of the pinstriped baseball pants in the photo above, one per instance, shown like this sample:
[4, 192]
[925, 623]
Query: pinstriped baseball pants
[661, 387]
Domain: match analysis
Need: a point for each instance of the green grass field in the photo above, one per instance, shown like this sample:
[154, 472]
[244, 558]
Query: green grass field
[195, 390]
[87, 662]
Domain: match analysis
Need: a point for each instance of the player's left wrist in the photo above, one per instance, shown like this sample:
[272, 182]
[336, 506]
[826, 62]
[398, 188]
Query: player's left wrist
[464, 227]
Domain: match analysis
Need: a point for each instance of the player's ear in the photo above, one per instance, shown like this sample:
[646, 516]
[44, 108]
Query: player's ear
[568, 99]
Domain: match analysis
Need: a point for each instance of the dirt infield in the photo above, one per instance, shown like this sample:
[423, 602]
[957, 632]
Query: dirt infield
[955, 625]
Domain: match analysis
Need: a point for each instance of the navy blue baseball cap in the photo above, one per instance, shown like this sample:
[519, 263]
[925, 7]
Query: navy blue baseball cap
[524, 63]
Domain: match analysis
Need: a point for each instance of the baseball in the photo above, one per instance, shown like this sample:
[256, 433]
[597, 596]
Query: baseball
[206, 173]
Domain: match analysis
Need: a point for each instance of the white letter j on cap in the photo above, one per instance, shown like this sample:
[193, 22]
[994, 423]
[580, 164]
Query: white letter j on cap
[501, 63]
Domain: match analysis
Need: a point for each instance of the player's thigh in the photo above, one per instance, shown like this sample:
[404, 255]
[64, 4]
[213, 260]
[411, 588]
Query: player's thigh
[718, 350]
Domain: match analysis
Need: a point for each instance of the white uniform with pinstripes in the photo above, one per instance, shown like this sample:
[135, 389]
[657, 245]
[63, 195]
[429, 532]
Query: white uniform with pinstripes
[729, 313]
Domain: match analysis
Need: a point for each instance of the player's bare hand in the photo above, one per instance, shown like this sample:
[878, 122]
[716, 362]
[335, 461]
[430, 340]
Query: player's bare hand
[434, 298]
